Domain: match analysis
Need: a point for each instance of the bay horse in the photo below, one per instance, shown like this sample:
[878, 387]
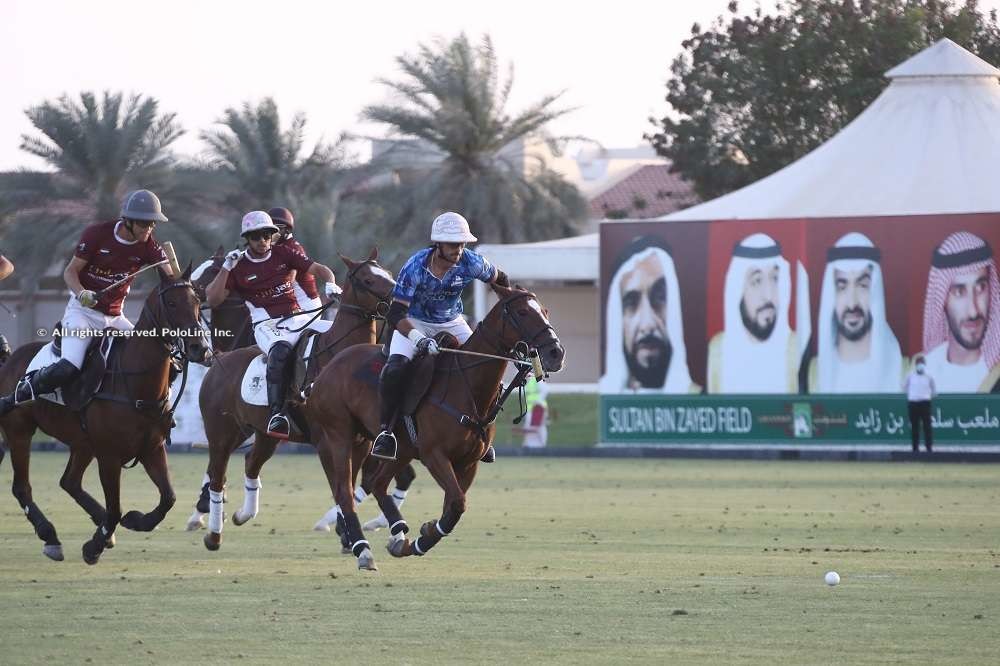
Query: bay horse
[127, 420]
[453, 422]
[228, 420]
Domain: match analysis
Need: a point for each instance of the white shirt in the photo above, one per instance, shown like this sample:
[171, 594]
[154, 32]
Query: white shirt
[919, 387]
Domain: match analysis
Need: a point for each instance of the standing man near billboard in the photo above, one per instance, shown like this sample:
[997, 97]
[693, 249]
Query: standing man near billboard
[757, 352]
[645, 349]
[857, 352]
[920, 390]
[962, 316]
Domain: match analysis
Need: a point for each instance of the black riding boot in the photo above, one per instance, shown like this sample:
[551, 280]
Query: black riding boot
[389, 391]
[39, 382]
[277, 387]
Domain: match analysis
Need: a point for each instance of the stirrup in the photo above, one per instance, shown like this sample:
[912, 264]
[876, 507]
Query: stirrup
[278, 426]
[385, 446]
[490, 455]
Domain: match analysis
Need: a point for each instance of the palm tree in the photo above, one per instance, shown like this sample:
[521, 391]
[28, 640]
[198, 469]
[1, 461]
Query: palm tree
[470, 154]
[98, 149]
[267, 166]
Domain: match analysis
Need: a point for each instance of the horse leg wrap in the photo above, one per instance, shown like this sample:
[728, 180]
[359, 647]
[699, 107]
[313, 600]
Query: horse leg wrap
[330, 516]
[405, 478]
[354, 534]
[202, 504]
[392, 513]
[446, 524]
[214, 512]
[359, 495]
[398, 496]
[399, 526]
[251, 498]
[45, 530]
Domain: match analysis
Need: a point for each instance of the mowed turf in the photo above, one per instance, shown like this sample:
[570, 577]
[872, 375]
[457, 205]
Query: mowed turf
[556, 561]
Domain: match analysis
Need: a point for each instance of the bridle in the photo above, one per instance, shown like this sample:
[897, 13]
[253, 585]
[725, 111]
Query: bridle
[526, 341]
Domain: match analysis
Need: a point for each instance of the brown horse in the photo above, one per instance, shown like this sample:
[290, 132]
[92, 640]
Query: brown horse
[128, 419]
[453, 421]
[229, 420]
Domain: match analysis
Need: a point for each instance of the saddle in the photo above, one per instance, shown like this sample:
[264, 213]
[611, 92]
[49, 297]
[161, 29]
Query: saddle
[420, 375]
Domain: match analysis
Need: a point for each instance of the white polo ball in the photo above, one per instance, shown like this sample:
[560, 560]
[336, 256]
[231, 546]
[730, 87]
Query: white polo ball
[832, 578]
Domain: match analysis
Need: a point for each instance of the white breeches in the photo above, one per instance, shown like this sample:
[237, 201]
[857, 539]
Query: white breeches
[403, 345]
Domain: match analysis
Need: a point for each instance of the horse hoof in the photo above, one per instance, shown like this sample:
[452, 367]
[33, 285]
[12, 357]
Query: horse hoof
[428, 529]
[53, 552]
[366, 560]
[195, 522]
[375, 524]
[238, 519]
[109, 543]
[91, 553]
[213, 540]
[133, 521]
[321, 526]
[397, 545]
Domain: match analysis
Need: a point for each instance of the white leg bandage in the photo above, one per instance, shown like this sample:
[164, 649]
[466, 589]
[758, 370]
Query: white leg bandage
[251, 498]
[359, 495]
[398, 496]
[214, 512]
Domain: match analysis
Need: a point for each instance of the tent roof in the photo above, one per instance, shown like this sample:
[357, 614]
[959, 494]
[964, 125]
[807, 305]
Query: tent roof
[929, 144]
[943, 58]
[574, 258]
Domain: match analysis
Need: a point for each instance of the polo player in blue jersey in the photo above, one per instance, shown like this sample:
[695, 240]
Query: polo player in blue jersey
[427, 300]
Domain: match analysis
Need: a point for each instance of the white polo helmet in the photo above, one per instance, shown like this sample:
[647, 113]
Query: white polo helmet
[451, 228]
[257, 219]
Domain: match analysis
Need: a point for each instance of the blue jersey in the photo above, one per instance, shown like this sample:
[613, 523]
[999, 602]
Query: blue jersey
[439, 301]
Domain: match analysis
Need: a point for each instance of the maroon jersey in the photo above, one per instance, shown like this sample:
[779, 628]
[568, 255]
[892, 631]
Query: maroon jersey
[109, 259]
[306, 280]
[269, 284]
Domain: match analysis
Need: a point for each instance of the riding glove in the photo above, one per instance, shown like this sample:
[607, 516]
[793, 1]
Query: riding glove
[87, 298]
[428, 346]
[232, 259]
[333, 289]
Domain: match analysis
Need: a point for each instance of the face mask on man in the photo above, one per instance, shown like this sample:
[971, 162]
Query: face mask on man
[920, 368]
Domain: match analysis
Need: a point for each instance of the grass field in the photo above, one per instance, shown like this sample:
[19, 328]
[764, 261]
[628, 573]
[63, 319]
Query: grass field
[557, 561]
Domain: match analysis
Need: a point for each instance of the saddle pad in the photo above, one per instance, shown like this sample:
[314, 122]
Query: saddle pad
[253, 389]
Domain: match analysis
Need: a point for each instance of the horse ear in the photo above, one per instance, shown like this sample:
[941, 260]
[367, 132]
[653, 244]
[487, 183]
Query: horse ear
[373, 255]
[186, 277]
[347, 260]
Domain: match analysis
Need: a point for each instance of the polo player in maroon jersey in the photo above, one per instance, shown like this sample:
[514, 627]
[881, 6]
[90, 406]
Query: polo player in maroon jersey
[306, 292]
[264, 275]
[107, 252]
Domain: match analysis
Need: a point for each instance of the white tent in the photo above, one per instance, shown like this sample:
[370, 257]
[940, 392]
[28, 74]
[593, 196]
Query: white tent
[929, 144]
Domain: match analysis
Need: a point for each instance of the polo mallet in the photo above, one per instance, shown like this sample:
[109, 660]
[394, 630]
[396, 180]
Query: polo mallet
[13, 315]
[534, 362]
[171, 259]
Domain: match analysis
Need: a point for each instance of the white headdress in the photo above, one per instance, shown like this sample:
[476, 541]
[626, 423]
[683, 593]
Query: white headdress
[749, 365]
[616, 372]
[882, 371]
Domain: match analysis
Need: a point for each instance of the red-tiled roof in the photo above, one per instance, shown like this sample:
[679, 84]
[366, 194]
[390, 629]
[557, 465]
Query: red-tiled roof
[651, 191]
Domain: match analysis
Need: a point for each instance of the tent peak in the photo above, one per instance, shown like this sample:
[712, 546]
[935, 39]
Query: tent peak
[943, 58]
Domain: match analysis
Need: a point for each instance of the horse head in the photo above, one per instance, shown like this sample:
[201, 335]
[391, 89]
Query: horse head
[174, 308]
[369, 286]
[519, 320]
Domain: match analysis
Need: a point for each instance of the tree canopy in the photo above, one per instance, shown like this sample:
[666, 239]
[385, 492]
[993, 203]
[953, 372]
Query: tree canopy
[458, 148]
[754, 92]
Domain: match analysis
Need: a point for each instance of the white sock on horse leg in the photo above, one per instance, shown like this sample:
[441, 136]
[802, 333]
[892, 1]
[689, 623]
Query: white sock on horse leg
[251, 497]
[214, 512]
[398, 496]
[330, 517]
[359, 495]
